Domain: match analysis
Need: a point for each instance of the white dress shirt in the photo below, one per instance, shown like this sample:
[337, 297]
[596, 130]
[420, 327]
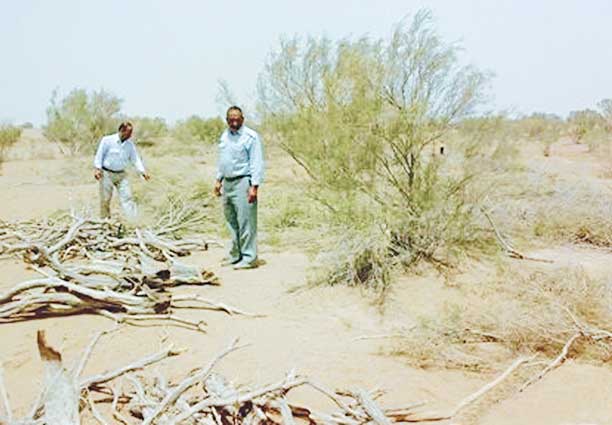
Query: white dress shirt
[115, 155]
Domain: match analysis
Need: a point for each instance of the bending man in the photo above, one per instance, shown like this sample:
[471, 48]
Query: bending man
[115, 153]
[239, 174]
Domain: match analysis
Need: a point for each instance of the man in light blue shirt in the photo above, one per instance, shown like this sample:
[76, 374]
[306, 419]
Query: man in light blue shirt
[115, 153]
[240, 172]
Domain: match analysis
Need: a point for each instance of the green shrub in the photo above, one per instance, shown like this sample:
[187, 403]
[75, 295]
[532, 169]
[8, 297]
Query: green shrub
[78, 121]
[197, 129]
[361, 117]
[148, 131]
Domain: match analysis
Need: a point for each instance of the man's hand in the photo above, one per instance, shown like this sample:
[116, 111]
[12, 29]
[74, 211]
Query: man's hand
[252, 194]
[217, 188]
[146, 176]
[97, 174]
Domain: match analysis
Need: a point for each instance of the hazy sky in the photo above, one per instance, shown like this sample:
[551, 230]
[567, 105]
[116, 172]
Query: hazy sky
[164, 57]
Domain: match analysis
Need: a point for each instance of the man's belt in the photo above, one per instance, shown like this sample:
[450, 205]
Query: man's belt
[236, 177]
[112, 171]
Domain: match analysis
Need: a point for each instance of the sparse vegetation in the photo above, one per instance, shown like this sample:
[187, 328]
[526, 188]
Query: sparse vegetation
[9, 135]
[536, 312]
[384, 177]
[149, 131]
[582, 122]
[79, 120]
[196, 129]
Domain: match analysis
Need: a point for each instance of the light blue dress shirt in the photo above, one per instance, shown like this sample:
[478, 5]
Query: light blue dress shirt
[241, 154]
[115, 155]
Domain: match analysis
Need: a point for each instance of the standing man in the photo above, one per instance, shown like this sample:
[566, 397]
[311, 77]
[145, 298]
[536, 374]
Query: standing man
[240, 172]
[114, 154]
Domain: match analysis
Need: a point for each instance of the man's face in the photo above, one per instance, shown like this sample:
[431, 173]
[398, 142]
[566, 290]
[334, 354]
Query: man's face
[234, 119]
[125, 134]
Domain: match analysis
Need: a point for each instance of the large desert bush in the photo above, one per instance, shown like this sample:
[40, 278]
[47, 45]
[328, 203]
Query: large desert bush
[361, 117]
[78, 121]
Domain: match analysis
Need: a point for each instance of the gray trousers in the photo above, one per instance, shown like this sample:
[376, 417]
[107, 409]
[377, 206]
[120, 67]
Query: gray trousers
[241, 218]
[120, 182]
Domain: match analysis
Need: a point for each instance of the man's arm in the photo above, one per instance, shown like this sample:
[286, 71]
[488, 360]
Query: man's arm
[256, 167]
[219, 174]
[99, 159]
[137, 162]
[256, 161]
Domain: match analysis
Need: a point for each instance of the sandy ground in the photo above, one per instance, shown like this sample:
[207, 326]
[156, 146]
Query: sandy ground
[314, 330]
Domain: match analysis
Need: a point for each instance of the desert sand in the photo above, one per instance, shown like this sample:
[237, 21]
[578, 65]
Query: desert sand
[315, 330]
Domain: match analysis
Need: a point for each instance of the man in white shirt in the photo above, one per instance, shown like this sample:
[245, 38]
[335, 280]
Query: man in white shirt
[115, 153]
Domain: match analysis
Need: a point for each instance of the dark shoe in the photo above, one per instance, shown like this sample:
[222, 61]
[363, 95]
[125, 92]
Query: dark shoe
[226, 262]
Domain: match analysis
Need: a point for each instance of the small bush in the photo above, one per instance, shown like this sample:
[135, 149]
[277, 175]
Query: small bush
[605, 109]
[361, 260]
[582, 122]
[78, 121]
[543, 128]
[537, 313]
[197, 129]
[582, 215]
[148, 131]
[9, 135]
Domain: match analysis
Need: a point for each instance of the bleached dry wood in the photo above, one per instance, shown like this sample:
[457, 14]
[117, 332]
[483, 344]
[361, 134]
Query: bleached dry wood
[467, 401]
[281, 387]
[94, 411]
[118, 275]
[555, 363]
[178, 300]
[118, 416]
[87, 353]
[207, 397]
[286, 413]
[488, 387]
[137, 365]
[61, 403]
[6, 405]
[333, 397]
[189, 382]
[147, 320]
[383, 336]
[372, 409]
[509, 249]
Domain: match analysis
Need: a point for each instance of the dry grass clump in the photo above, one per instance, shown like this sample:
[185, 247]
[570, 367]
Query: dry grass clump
[8, 137]
[535, 313]
[576, 214]
[362, 261]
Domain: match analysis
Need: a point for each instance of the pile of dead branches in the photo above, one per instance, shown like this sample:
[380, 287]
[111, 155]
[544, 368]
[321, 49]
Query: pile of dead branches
[203, 397]
[92, 266]
[73, 236]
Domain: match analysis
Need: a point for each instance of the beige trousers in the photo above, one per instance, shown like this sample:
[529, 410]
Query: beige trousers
[120, 182]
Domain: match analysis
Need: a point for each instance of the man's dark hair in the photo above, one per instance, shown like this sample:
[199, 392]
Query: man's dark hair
[124, 125]
[234, 108]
